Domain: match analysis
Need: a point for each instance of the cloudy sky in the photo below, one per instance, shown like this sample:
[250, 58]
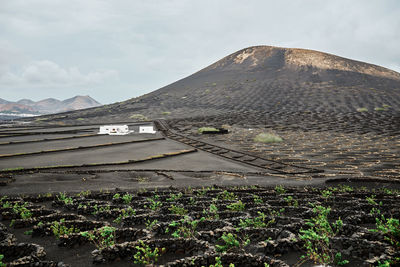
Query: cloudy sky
[114, 50]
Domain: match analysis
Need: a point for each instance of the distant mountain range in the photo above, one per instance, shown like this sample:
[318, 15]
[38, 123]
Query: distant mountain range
[27, 107]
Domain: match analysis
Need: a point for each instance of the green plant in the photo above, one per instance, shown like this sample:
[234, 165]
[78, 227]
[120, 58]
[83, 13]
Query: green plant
[59, 229]
[230, 242]
[150, 224]
[154, 203]
[98, 209]
[29, 232]
[125, 213]
[207, 129]
[339, 260]
[166, 113]
[2, 199]
[101, 237]
[379, 109]
[192, 201]
[82, 193]
[127, 198]
[345, 188]
[291, 201]
[279, 189]
[7, 205]
[257, 199]
[225, 195]
[177, 210]
[256, 222]
[387, 191]
[174, 197]
[211, 213]
[116, 196]
[390, 228]
[63, 197]
[218, 263]
[145, 255]
[203, 191]
[362, 109]
[326, 193]
[1, 261]
[22, 210]
[372, 200]
[185, 227]
[268, 138]
[138, 117]
[318, 235]
[237, 206]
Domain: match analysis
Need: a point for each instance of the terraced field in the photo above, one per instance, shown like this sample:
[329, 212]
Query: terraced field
[244, 226]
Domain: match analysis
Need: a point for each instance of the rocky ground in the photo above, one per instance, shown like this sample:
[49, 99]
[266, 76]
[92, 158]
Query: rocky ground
[244, 226]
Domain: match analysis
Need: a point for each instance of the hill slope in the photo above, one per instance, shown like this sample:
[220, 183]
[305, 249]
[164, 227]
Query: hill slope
[46, 106]
[269, 79]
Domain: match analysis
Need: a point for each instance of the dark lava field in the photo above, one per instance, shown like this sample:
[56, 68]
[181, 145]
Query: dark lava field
[268, 157]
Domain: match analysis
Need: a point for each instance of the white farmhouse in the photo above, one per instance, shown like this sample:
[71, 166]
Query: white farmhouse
[114, 130]
[146, 129]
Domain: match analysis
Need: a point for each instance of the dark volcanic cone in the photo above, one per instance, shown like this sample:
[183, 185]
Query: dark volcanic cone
[268, 79]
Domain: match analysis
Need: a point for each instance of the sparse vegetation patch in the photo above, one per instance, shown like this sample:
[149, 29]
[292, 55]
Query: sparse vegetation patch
[268, 138]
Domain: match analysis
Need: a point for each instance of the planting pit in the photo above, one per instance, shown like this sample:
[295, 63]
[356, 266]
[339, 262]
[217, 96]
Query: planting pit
[268, 225]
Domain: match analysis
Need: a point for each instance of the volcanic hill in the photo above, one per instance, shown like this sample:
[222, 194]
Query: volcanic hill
[266, 79]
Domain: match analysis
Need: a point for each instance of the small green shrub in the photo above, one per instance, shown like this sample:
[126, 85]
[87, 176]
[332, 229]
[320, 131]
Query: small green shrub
[257, 199]
[125, 213]
[177, 210]
[237, 206]
[185, 227]
[138, 117]
[211, 213]
[291, 201]
[21, 210]
[63, 197]
[390, 228]
[127, 198]
[150, 224]
[231, 241]
[154, 203]
[1, 261]
[59, 229]
[256, 222]
[267, 138]
[174, 197]
[279, 189]
[225, 195]
[206, 129]
[102, 237]
[218, 263]
[362, 109]
[145, 255]
[317, 237]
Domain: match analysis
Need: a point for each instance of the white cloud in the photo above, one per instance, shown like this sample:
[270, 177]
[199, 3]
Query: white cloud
[151, 43]
[47, 73]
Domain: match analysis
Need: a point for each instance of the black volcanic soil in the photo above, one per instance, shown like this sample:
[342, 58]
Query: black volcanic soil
[340, 124]
[277, 242]
[264, 79]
